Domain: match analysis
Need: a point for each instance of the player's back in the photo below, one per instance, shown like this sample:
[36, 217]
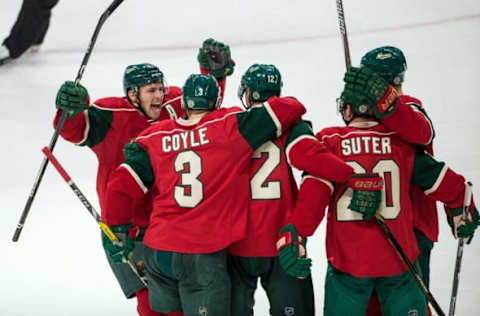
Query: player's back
[272, 194]
[356, 246]
[201, 171]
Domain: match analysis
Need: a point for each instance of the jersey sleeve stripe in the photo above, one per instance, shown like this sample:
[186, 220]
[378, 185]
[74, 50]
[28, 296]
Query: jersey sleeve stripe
[135, 176]
[327, 183]
[275, 119]
[439, 180]
[296, 141]
[171, 112]
[87, 129]
[416, 108]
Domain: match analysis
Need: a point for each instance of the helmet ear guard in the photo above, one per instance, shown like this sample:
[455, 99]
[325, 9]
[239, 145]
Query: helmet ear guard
[201, 92]
[262, 81]
[388, 62]
[360, 106]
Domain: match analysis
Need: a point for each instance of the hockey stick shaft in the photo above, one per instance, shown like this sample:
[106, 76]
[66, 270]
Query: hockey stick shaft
[61, 121]
[398, 249]
[103, 226]
[343, 31]
[461, 243]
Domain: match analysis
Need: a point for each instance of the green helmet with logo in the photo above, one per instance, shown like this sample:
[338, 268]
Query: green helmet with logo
[360, 105]
[263, 81]
[139, 75]
[201, 92]
[388, 62]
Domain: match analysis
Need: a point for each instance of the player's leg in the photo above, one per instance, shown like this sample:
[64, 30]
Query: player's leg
[204, 283]
[162, 285]
[47, 6]
[374, 308]
[244, 275]
[287, 295]
[425, 246]
[143, 301]
[400, 295]
[127, 279]
[33, 17]
[346, 294]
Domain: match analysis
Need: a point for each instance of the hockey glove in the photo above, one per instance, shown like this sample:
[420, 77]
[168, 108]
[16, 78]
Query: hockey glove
[126, 234]
[464, 229]
[72, 99]
[367, 193]
[292, 253]
[374, 88]
[215, 57]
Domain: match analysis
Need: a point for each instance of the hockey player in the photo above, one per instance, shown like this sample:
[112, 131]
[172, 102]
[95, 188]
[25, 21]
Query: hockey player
[408, 118]
[360, 257]
[199, 170]
[272, 194]
[109, 123]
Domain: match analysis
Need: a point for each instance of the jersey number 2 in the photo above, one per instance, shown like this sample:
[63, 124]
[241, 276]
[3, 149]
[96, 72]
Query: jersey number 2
[260, 188]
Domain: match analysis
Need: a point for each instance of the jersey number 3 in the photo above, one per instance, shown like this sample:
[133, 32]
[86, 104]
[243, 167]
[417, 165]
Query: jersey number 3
[190, 191]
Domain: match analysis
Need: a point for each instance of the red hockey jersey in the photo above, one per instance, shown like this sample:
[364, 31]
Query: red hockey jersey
[273, 188]
[412, 124]
[106, 126]
[200, 173]
[356, 246]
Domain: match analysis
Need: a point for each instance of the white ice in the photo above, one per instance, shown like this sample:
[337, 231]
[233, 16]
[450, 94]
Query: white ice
[58, 268]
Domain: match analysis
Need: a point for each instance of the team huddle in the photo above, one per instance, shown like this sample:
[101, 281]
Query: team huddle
[203, 197]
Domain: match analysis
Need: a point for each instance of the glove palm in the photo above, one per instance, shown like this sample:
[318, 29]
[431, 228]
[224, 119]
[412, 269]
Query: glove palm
[464, 229]
[215, 56]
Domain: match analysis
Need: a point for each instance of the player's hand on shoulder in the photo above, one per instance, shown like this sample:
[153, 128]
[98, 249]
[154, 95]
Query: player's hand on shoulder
[374, 88]
[367, 193]
[215, 57]
[292, 253]
[71, 98]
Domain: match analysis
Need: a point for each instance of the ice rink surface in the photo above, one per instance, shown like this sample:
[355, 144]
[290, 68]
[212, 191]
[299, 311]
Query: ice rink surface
[58, 267]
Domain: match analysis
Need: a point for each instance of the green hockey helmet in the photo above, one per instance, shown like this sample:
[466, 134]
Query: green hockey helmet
[388, 62]
[139, 75]
[360, 105]
[263, 81]
[201, 92]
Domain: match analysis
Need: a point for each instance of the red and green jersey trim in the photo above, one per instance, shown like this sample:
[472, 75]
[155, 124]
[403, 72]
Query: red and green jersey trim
[249, 122]
[137, 162]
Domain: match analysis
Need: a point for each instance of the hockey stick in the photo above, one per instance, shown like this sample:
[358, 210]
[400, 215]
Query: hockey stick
[343, 31]
[461, 242]
[103, 226]
[398, 249]
[62, 119]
